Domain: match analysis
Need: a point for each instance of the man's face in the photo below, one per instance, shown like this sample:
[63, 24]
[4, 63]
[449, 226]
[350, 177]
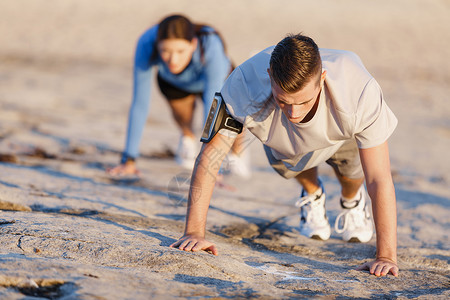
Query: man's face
[177, 53]
[298, 106]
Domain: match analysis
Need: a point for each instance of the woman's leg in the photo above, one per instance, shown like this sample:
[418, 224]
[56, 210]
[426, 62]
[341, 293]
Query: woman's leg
[183, 113]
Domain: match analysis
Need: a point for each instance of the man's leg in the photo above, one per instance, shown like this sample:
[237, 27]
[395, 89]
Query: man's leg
[309, 180]
[354, 221]
[313, 220]
[349, 186]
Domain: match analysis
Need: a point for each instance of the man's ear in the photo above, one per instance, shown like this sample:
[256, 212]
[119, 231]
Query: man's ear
[322, 77]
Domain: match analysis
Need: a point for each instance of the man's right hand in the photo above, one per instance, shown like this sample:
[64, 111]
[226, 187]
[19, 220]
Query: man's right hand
[202, 184]
[126, 169]
[195, 243]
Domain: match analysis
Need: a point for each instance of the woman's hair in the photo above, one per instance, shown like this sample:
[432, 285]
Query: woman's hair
[175, 27]
[295, 60]
[180, 27]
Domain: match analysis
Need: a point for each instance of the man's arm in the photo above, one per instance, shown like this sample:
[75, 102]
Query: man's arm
[203, 181]
[377, 171]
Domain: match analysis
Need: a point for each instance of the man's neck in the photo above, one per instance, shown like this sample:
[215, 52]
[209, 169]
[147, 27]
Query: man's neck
[313, 110]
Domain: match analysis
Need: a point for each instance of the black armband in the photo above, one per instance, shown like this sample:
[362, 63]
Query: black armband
[219, 119]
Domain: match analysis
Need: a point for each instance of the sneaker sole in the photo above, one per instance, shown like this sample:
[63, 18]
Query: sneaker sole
[317, 237]
[321, 235]
[358, 240]
[354, 240]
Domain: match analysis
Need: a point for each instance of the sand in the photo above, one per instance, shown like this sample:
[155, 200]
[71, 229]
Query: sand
[68, 231]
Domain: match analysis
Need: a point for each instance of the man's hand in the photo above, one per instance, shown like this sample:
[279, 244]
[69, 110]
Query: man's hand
[194, 243]
[380, 267]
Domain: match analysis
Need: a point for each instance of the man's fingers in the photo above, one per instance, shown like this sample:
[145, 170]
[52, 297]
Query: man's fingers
[373, 268]
[382, 269]
[389, 269]
[207, 247]
[394, 271]
[184, 244]
[197, 247]
[214, 250]
[177, 243]
[379, 268]
[189, 244]
[362, 267]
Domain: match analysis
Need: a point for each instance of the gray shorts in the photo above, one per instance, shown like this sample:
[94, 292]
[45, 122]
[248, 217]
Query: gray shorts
[345, 161]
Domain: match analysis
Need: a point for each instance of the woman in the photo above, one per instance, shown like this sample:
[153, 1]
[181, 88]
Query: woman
[191, 62]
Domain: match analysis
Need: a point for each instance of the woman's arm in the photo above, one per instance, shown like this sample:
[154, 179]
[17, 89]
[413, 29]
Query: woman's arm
[217, 67]
[142, 76]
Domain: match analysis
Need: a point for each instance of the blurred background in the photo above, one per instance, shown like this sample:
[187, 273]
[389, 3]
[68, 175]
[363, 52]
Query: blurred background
[399, 37]
[65, 92]
[75, 56]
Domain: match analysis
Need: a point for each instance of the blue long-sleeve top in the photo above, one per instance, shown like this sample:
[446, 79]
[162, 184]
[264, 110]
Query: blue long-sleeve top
[204, 75]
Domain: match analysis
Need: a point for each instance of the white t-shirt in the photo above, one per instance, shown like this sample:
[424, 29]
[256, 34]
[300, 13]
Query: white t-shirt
[351, 105]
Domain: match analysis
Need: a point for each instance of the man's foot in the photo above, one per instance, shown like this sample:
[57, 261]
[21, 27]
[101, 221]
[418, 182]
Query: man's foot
[186, 152]
[239, 165]
[355, 219]
[313, 220]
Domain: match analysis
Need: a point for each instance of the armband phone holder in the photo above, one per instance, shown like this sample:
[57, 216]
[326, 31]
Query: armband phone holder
[219, 119]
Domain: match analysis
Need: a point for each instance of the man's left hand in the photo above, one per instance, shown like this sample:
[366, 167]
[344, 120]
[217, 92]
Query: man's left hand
[380, 267]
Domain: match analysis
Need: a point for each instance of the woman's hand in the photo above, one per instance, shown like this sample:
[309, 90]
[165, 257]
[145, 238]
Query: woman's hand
[126, 169]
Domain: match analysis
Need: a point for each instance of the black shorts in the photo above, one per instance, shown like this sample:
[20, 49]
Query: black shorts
[172, 92]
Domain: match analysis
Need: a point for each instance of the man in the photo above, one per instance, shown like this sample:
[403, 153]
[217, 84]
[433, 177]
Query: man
[308, 106]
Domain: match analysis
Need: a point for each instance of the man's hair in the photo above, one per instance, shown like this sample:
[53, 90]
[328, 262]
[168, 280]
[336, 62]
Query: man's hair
[295, 60]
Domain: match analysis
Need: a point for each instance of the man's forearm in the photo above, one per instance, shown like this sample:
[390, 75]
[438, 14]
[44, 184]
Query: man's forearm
[385, 218]
[203, 181]
[377, 171]
[200, 193]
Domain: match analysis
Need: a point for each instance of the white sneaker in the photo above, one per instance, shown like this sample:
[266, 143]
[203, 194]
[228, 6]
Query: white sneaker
[356, 220]
[313, 220]
[186, 152]
[239, 165]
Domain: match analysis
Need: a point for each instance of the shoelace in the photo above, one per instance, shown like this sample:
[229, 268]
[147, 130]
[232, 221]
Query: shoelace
[354, 214]
[306, 199]
[309, 199]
